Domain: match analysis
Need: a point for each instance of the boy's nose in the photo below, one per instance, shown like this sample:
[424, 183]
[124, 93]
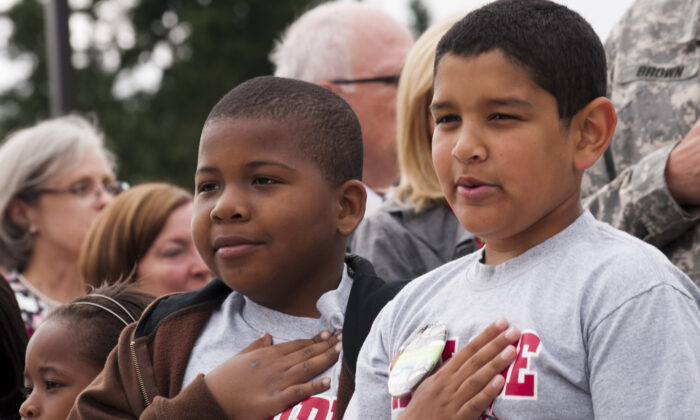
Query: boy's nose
[469, 148]
[229, 214]
[29, 409]
[230, 208]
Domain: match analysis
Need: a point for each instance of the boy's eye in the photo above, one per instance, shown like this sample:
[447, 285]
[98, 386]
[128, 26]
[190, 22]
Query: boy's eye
[502, 117]
[261, 180]
[445, 119]
[27, 391]
[206, 187]
[52, 385]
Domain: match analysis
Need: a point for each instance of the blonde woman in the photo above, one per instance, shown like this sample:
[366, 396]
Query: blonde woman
[416, 231]
[56, 177]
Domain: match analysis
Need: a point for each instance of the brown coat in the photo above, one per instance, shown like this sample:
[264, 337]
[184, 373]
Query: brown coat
[143, 376]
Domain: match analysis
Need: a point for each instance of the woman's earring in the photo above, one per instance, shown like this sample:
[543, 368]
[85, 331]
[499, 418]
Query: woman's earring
[33, 230]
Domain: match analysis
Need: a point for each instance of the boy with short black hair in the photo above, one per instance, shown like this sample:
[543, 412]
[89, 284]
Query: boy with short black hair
[610, 329]
[277, 193]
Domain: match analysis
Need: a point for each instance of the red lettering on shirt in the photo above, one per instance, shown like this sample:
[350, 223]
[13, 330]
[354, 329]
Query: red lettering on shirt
[313, 408]
[449, 351]
[521, 381]
[401, 402]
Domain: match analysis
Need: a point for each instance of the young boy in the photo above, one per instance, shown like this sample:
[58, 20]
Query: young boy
[610, 329]
[277, 193]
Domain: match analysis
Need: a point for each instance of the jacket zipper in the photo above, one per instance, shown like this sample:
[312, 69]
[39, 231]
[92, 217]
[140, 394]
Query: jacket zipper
[138, 373]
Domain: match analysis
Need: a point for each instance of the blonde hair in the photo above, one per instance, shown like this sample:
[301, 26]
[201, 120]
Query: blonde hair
[124, 231]
[419, 184]
[31, 157]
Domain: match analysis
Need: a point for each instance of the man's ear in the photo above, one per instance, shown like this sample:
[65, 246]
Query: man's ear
[351, 206]
[595, 125]
[331, 86]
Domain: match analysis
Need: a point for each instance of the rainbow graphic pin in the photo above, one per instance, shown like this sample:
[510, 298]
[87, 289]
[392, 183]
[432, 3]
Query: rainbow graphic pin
[416, 359]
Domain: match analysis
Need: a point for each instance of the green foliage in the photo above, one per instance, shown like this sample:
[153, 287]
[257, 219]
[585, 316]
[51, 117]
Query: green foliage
[155, 135]
[421, 17]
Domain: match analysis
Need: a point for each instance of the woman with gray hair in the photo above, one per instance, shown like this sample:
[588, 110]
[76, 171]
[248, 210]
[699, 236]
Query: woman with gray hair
[56, 176]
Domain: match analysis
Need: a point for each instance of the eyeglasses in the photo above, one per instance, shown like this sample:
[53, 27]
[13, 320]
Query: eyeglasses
[85, 189]
[389, 80]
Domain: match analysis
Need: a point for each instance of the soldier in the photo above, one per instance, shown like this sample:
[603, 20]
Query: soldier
[649, 182]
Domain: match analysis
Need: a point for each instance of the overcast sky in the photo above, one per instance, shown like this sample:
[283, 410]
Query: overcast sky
[602, 14]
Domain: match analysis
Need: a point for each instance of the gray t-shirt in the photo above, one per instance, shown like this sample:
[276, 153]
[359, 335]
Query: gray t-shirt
[611, 329]
[239, 321]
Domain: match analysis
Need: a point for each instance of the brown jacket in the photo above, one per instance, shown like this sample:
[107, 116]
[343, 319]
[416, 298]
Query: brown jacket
[143, 375]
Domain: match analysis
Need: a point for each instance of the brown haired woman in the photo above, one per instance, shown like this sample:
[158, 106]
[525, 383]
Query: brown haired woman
[144, 235]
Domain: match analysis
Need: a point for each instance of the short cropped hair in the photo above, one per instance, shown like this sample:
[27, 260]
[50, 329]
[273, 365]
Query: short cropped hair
[325, 127]
[419, 184]
[555, 45]
[29, 159]
[95, 329]
[124, 231]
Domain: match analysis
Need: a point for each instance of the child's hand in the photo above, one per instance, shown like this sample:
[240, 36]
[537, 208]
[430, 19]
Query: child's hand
[467, 383]
[264, 379]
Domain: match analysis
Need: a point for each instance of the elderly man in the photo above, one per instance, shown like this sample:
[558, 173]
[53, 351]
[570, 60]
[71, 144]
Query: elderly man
[356, 51]
[649, 182]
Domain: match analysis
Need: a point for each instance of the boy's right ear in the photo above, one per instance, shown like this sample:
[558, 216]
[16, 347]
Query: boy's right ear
[351, 205]
[595, 125]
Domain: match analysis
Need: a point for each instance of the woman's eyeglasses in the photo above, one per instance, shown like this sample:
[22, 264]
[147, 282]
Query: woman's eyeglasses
[86, 189]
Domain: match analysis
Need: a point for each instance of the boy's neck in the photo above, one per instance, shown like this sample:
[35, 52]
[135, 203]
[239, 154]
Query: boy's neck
[500, 250]
[301, 301]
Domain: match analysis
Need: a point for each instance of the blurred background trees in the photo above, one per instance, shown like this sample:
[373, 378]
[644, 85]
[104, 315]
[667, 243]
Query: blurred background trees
[149, 71]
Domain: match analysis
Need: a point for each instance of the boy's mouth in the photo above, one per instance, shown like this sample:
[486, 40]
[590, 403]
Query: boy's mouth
[473, 188]
[230, 246]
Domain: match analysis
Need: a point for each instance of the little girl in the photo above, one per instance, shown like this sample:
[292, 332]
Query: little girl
[71, 346]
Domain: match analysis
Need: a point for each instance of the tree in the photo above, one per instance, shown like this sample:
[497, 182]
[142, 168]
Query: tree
[200, 49]
[421, 17]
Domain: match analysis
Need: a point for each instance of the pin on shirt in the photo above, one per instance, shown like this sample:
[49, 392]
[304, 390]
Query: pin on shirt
[416, 359]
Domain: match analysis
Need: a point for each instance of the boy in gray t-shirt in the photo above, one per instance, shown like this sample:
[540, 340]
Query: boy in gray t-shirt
[610, 328]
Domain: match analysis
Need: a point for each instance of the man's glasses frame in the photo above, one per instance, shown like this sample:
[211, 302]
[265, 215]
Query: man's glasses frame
[388, 79]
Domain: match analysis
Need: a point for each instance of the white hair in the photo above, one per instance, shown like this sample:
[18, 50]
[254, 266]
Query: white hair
[315, 47]
[31, 157]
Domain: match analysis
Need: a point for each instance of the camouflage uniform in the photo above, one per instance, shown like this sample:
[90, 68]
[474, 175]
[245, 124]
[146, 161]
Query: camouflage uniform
[653, 55]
